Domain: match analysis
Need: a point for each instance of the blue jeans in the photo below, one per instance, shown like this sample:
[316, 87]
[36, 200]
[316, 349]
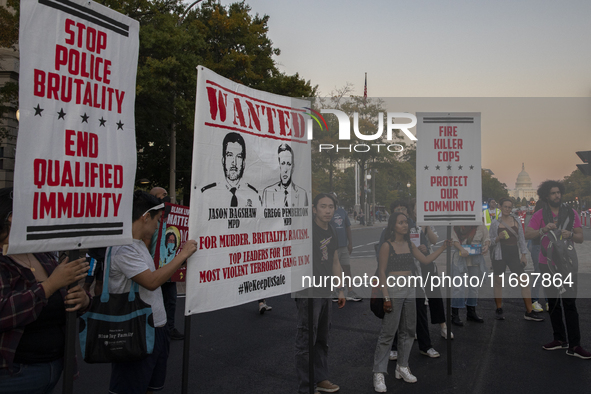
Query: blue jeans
[31, 378]
[402, 318]
[466, 295]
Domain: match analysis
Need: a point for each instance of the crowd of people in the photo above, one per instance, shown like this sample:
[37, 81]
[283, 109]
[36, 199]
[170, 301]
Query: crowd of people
[404, 249]
[36, 291]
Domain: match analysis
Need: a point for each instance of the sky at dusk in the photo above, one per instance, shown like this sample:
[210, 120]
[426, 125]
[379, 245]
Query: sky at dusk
[506, 50]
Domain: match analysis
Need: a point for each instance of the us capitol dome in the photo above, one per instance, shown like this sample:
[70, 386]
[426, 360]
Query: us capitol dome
[523, 186]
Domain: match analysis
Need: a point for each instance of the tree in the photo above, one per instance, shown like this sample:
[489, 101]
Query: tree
[493, 188]
[391, 171]
[9, 16]
[226, 39]
[577, 188]
[324, 160]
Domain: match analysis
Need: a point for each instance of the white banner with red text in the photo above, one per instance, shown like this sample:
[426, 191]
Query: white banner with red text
[251, 207]
[75, 155]
[449, 179]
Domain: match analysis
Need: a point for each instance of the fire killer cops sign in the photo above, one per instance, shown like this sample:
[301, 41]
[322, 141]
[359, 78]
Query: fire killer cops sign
[449, 182]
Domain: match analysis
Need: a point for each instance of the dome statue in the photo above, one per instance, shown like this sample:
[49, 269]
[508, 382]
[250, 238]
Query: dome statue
[523, 180]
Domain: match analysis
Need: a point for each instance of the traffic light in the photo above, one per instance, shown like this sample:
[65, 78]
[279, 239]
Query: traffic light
[586, 157]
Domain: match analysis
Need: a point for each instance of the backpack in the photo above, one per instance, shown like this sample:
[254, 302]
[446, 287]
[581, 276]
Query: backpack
[561, 254]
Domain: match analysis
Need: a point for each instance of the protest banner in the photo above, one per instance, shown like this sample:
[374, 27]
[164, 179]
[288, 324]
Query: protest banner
[449, 180]
[251, 212]
[172, 235]
[75, 155]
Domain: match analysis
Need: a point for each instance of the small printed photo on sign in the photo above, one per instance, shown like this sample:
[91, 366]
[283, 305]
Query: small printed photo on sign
[172, 234]
[232, 191]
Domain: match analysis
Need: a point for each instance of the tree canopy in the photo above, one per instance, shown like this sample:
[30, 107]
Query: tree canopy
[229, 40]
[492, 187]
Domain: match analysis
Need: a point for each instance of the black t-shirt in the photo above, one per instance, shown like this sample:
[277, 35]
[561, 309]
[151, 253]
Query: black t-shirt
[43, 340]
[324, 246]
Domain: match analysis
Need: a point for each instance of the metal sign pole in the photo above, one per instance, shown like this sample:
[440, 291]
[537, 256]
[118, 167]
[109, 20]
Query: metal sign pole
[186, 355]
[311, 344]
[448, 319]
[69, 349]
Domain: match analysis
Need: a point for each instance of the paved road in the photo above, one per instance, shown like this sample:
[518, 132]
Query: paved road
[236, 350]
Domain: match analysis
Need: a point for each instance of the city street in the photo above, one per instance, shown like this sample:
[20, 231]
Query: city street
[236, 350]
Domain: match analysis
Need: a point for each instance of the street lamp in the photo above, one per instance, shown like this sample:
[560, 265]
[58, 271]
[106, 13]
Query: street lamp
[408, 188]
[368, 208]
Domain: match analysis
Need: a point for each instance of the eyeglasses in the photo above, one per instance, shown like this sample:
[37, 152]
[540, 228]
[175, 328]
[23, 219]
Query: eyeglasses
[156, 208]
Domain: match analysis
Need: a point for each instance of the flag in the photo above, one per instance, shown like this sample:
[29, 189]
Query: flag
[365, 90]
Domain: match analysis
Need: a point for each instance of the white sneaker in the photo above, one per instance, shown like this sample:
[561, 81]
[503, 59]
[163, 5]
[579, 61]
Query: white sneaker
[404, 373]
[379, 384]
[537, 307]
[263, 307]
[444, 333]
[393, 355]
[431, 353]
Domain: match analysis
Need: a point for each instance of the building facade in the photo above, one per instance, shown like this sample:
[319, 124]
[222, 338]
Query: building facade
[523, 186]
[9, 70]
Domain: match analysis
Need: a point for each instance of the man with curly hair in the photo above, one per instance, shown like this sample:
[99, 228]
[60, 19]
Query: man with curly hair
[557, 215]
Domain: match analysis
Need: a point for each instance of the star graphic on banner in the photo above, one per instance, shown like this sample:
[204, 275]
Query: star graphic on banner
[460, 167]
[61, 114]
[119, 125]
[437, 168]
[103, 121]
[426, 167]
[38, 110]
[471, 167]
[84, 118]
[449, 167]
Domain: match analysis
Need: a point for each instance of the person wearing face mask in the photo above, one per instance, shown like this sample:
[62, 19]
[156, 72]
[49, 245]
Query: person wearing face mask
[134, 263]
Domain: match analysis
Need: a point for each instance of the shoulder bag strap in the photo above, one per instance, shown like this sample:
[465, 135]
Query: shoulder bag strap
[513, 231]
[105, 294]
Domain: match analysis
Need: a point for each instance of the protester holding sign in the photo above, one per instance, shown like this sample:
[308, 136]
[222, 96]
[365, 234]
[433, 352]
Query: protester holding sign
[428, 237]
[134, 263]
[437, 313]
[464, 262]
[396, 261]
[33, 306]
